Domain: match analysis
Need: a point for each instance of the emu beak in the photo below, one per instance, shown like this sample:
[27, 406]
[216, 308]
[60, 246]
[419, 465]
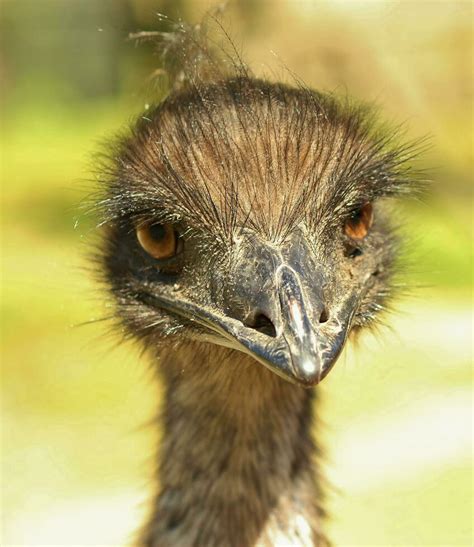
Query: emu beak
[301, 338]
[296, 328]
[307, 338]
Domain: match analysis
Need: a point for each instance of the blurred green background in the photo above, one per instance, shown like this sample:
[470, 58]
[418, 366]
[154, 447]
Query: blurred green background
[76, 450]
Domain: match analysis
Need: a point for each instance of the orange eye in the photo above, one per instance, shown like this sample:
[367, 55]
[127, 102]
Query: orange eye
[158, 240]
[360, 222]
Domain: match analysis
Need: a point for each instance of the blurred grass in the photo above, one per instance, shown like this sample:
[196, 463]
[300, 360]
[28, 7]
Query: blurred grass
[74, 400]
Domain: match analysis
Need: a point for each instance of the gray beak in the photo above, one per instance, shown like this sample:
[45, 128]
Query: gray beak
[296, 328]
[301, 338]
[307, 338]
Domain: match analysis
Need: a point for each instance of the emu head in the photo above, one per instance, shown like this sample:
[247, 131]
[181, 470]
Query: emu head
[250, 215]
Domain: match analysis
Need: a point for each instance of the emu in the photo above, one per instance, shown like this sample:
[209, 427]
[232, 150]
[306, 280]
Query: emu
[247, 238]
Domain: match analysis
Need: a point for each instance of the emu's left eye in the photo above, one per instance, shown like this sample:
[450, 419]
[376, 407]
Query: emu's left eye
[358, 225]
[158, 240]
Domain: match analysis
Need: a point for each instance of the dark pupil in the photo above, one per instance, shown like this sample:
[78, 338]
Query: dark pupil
[356, 216]
[157, 232]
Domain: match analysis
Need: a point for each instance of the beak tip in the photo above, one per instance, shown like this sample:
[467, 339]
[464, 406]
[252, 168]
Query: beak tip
[308, 373]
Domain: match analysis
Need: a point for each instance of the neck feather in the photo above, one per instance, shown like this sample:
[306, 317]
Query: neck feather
[237, 457]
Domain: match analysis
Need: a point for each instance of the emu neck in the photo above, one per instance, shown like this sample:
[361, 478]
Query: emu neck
[236, 461]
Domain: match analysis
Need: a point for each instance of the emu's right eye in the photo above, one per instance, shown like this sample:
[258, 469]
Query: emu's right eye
[159, 240]
[358, 225]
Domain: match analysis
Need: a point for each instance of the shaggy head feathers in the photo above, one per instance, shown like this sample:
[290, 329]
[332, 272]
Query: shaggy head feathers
[245, 152]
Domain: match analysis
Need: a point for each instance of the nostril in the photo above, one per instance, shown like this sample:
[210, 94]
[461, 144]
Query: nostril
[324, 316]
[263, 324]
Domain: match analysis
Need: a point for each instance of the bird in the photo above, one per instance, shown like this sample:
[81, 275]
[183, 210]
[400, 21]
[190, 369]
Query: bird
[247, 237]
